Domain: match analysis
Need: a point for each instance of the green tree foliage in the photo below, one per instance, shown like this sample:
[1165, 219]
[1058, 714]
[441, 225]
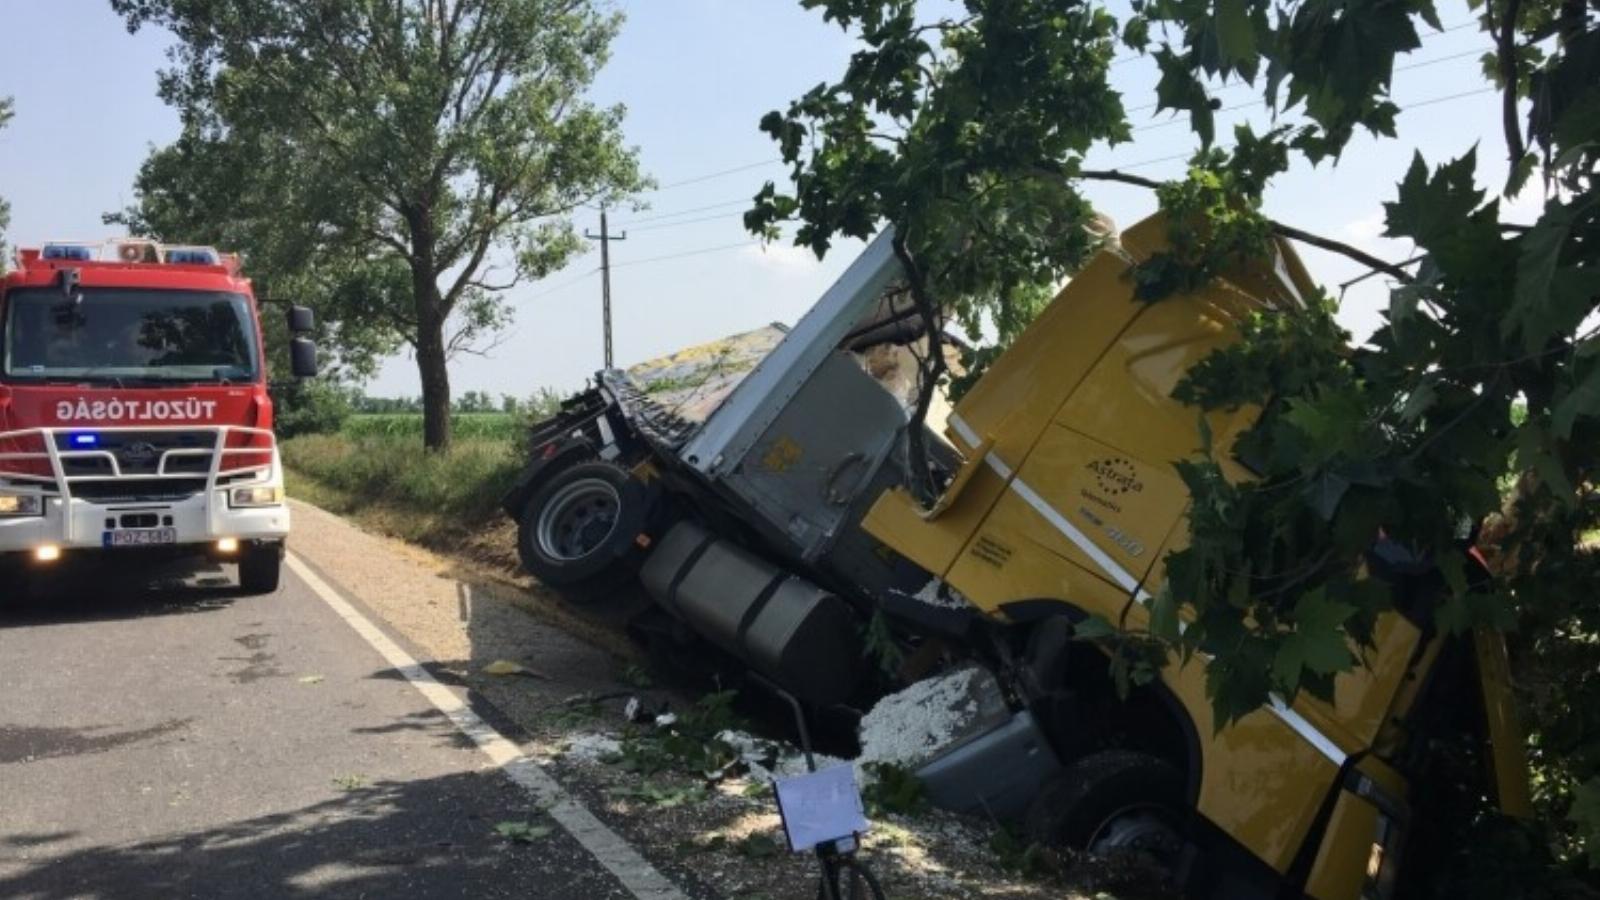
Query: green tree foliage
[318, 406]
[387, 405]
[967, 134]
[967, 167]
[401, 164]
[5, 208]
[474, 402]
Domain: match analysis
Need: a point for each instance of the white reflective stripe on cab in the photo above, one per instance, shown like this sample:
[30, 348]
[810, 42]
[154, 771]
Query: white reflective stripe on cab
[965, 431]
[1115, 572]
[1296, 722]
[1315, 738]
[1108, 565]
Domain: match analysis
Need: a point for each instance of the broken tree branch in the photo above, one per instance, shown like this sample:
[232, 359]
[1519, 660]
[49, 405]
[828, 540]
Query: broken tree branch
[1343, 249]
[1505, 38]
[1288, 231]
[929, 370]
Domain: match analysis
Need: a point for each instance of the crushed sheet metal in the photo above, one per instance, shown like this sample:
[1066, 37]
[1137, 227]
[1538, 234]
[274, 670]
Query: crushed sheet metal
[619, 858]
[1296, 722]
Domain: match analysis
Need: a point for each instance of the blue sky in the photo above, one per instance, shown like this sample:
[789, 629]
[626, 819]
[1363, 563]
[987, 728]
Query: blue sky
[696, 76]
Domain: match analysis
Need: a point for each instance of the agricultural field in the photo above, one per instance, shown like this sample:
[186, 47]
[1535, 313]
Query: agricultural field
[493, 426]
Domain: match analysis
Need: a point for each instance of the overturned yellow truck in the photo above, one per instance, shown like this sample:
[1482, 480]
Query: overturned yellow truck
[761, 510]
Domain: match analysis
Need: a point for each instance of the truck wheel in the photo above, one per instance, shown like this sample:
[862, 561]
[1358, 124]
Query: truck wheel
[579, 528]
[1114, 800]
[260, 568]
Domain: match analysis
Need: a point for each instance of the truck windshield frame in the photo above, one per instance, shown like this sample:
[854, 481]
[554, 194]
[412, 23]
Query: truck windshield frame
[127, 336]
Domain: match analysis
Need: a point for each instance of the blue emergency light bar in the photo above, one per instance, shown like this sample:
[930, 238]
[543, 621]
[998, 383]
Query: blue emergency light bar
[131, 250]
[73, 252]
[194, 256]
[86, 440]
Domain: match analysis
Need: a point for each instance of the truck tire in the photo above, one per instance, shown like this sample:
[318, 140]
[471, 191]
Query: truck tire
[260, 568]
[579, 529]
[1114, 800]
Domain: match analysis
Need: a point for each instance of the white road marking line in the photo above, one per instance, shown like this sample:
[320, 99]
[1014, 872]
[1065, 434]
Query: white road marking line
[619, 858]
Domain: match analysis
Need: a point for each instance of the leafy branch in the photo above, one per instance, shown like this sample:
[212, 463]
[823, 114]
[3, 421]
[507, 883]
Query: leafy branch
[1483, 375]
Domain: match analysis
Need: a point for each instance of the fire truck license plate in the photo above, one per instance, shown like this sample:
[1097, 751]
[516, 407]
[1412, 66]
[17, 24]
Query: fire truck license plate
[142, 537]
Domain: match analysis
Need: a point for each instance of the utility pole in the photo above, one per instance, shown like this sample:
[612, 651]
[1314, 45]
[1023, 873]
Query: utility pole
[605, 237]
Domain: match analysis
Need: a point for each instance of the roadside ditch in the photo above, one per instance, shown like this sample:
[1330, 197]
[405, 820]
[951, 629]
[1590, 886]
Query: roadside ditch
[680, 769]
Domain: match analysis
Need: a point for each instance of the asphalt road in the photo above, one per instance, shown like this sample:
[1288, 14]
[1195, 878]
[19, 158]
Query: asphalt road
[164, 737]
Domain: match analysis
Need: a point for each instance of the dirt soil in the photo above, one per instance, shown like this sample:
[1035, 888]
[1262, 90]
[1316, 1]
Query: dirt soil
[571, 678]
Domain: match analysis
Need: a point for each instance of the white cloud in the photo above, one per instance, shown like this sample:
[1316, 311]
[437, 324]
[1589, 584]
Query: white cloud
[785, 259]
[1365, 229]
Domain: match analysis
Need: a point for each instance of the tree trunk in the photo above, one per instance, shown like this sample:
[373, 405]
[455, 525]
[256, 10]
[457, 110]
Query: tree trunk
[432, 363]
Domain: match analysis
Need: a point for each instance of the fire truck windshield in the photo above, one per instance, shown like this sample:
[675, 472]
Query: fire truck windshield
[117, 335]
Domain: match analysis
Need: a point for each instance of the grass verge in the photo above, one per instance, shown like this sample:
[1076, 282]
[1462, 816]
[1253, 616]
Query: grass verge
[446, 503]
[388, 480]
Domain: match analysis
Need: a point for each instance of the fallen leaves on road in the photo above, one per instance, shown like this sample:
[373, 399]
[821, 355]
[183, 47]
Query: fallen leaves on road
[522, 832]
[665, 796]
[504, 667]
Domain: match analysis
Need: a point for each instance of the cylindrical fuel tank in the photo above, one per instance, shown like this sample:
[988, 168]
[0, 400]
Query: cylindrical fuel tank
[793, 632]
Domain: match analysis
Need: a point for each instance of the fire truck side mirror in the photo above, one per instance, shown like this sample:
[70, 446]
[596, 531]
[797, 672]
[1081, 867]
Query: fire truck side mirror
[303, 357]
[301, 320]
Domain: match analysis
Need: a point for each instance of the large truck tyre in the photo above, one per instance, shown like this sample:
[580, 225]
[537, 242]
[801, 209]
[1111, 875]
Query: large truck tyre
[579, 530]
[1114, 800]
[260, 567]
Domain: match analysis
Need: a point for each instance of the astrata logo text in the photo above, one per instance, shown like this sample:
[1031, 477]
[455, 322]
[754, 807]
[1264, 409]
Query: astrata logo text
[183, 409]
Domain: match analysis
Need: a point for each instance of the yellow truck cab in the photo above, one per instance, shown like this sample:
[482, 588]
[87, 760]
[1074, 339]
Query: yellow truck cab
[1064, 506]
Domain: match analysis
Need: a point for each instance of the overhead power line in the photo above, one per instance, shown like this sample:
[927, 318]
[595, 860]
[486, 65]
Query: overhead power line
[1433, 100]
[1421, 64]
[1249, 103]
[721, 173]
[639, 262]
[683, 212]
[1404, 109]
[1135, 165]
[652, 259]
[707, 177]
[570, 283]
[696, 221]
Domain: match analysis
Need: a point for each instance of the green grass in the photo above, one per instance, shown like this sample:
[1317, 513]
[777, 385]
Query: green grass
[465, 426]
[462, 486]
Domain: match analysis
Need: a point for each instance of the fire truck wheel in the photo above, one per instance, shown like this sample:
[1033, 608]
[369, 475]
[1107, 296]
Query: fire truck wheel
[579, 529]
[260, 566]
[1114, 800]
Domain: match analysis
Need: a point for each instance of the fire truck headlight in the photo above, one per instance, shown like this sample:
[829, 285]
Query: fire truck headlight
[255, 496]
[18, 505]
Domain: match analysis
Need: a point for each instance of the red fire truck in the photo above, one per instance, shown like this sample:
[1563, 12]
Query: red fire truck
[134, 415]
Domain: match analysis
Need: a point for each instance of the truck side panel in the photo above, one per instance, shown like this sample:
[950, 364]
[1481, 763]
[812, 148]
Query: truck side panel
[1079, 504]
[1248, 768]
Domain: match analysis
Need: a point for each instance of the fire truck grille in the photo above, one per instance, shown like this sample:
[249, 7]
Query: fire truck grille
[141, 452]
[138, 490]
